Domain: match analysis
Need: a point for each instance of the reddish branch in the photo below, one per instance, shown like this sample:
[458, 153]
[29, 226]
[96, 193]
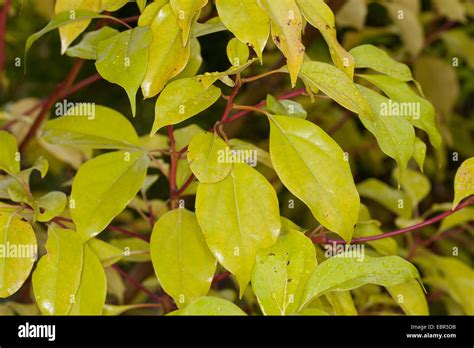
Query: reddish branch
[323, 239]
[138, 285]
[3, 29]
[174, 157]
[48, 104]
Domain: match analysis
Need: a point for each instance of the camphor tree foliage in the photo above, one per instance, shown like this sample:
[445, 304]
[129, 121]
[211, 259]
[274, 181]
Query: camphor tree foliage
[236, 157]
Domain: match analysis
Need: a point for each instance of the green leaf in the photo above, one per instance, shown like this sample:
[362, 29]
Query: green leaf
[123, 60]
[182, 99]
[369, 56]
[395, 135]
[263, 156]
[134, 249]
[186, 10]
[212, 306]
[285, 107]
[181, 259]
[320, 16]
[141, 4]
[17, 240]
[238, 216]
[58, 273]
[410, 297]
[451, 9]
[167, 56]
[342, 303]
[107, 254]
[313, 167]
[464, 181]
[419, 153]
[194, 62]
[287, 26]
[459, 43]
[9, 155]
[213, 25]
[422, 113]
[281, 271]
[237, 52]
[103, 187]
[311, 312]
[206, 156]
[63, 19]
[343, 272]
[87, 48]
[71, 31]
[113, 5]
[90, 296]
[105, 128]
[335, 84]
[207, 79]
[50, 205]
[458, 218]
[416, 185]
[396, 201]
[150, 12]
[236, 16]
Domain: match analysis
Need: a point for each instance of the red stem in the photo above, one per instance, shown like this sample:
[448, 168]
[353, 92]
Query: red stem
[137, 284]
[322, 239]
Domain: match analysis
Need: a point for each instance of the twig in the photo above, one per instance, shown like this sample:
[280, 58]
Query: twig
[138, 285]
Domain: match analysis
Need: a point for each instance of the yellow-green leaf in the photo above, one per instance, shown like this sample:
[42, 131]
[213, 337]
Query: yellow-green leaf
[451, 9]
[313, 167]
[9, 155]
[71, 31]
[150, 12]
[186, 10]
[212, 306]
[107, 254]
[50, 205]
[334, 83]
[103, 187]
[419, 153]
[18, 253]
[123, 59]
[343, 272]
[182, 99]
[384, 246]
[369, 56]
[58, 273]
[87, 48]
[281, 271]
[102, 128]
[287, 27]
[320, 16]
[167, 55]
[416, 185]
[237, 52]
[238, 216]
[90, 296]
[464, 181]
[182, 261]
[410, 297]
[238, 14]
[420, 112]
[207, 157]
[113, 5]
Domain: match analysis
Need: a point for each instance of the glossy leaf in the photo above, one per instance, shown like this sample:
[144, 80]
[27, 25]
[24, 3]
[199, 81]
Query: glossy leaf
[207, 159]
[312, 166]
[238, 216]
[71, 31]
[281, 271]
[123, 60]
[335, 84]
[167, 55]
[186, 10]
[214, 306]
[17, 241]
[90, 296]
[182, 99]
[320, 16]
[107, 254]
[395, 135]
[344, 272]
[410, 297]
[181, 259]
[105, 129]
[236, 16]
[287, 27]
[58, 273]
[103, 187]
[9, 155]
[50, 205]
[237, 52]
[285, 107]
[464, 181]
[87, 48]
[400, 92]
[369, 56]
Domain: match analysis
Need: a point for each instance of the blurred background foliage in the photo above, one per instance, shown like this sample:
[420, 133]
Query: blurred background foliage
[437, 42]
